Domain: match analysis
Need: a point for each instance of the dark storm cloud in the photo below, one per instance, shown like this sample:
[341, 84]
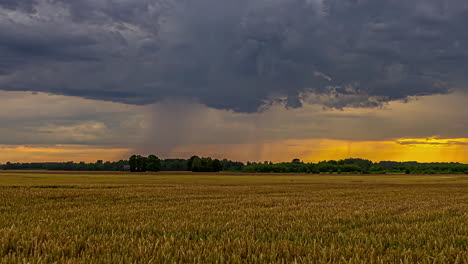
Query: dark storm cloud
[237, 55]
[26, 44]
[24, 5]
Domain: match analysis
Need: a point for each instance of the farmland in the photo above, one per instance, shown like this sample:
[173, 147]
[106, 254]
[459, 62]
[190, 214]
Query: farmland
[232, 218]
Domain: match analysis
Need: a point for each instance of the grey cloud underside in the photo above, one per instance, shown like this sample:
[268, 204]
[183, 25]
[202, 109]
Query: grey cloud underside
[23, 5]
[238, 55]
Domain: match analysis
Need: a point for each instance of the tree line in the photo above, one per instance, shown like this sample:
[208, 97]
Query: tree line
[357, 166]
[67, 166]
[139, 163]
[135, 163]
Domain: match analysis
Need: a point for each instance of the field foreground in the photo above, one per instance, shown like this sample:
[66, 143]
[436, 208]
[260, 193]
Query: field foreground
[197, 218]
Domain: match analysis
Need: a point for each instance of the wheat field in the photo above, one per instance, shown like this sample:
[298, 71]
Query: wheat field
[232, 218]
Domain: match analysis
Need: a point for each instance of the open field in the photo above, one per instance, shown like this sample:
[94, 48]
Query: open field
[232, 218]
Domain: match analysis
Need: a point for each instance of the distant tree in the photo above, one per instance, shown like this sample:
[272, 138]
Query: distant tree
[141, 163]
[137, 163]
[231, 165]
[196, 164]
[133, 163]
[217, 165]
[174, 165]
[99, 165]
[207, 164]
[190, 162]
[363, 163]
[108, 166]
[296, 161]
[153, 163]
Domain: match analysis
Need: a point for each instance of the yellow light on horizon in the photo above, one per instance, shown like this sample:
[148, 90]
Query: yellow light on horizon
[310, 150]
[314, 150]
[60, 153]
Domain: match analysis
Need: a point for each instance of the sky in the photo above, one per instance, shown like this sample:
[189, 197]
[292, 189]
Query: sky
[247, 79]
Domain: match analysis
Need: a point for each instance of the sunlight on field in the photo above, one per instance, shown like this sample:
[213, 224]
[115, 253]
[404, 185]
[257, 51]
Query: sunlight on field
[235, 218]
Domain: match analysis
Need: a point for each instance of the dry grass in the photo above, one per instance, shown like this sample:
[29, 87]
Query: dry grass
[99, 218]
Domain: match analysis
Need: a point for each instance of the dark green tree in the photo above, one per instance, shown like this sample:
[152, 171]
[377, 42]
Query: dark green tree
[132, 161]
[296, 161]
[99, 165]
[196, 164]
[153, 163]
[217, 165]
[141, 163]
[190, 162]
[207, 164]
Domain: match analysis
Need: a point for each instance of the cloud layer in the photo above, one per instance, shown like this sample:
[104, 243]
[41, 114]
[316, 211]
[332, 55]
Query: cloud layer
[237, 55]
[41, 127]
[41, 119]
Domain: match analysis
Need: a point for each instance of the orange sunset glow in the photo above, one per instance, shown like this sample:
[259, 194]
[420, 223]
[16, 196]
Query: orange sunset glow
[60, 153]
[313, 150]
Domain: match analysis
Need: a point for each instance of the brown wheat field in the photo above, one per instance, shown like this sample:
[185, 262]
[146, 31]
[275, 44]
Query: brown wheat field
[232, 218]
